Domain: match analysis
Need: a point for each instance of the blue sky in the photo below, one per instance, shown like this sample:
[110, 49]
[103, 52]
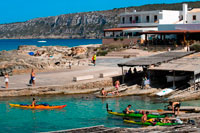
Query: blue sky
[22, 10]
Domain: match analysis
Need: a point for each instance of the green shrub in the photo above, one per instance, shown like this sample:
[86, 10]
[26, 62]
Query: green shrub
[195, 47]
[121, 39]
[102, 53]
[115, 39]
[113, 46]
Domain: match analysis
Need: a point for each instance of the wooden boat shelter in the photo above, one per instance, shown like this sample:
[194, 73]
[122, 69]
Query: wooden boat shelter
[190, 63]
[155, 60]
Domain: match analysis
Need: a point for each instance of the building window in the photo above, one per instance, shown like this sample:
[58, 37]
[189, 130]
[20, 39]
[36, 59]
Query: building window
[123, 20]
[155, 18]
[136, 19]
[130, 19]
[180, 17]
[147, 19]
[194, 17]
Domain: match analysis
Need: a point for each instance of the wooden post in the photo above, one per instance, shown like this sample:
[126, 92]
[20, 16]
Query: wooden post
[104, 33]
[122, 75]
[164, 37]
[174, 80]
[194, 82]
[145, 37]
[184, 38]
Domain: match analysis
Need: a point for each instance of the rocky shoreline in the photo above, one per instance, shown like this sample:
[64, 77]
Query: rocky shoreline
[73, 88]
[29, 57]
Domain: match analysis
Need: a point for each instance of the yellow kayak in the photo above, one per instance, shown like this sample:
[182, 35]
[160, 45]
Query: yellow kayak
[38, 106]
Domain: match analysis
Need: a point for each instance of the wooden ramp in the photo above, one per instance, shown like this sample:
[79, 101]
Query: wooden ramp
[189, 108]
[160, 111]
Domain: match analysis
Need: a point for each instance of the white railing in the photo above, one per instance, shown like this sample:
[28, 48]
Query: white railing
[137, 24]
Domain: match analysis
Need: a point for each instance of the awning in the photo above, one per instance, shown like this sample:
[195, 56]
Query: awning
[141, 29]
[171, 32]
[117, 29]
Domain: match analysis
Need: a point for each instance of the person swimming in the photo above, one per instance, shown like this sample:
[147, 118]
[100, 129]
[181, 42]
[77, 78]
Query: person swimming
[127, 110]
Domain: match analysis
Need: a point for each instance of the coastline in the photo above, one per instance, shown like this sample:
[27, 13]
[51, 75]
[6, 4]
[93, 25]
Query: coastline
[83, 87]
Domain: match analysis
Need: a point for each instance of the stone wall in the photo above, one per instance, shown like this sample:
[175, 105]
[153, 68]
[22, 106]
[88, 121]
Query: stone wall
[124, 41]
[74, 88]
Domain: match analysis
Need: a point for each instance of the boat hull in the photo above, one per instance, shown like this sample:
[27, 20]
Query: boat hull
[176, 78]
[151, 124]
[135, 115]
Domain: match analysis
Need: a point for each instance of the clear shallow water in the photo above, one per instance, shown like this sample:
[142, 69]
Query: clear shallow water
[81, 111]
[10, 44]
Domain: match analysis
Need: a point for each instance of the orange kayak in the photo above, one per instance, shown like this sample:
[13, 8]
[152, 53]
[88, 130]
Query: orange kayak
[38, 106]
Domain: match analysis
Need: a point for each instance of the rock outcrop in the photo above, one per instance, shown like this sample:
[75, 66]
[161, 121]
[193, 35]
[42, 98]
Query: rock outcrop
[42, 58]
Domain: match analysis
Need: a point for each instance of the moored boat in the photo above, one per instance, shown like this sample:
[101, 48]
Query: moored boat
[175, 78]
[165, 92]
[134, 115]
[42, 41]
[151, 124]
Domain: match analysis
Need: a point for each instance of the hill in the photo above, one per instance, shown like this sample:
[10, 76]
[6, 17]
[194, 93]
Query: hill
[77, 25]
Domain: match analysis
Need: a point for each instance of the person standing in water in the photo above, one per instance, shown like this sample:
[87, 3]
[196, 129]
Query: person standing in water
[33, 77]
[175, 107]
[6, 79]
[94, 59]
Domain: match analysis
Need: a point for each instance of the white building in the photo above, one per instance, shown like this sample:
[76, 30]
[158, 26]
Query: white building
[159, 20]
[148, 18]
[155, 18]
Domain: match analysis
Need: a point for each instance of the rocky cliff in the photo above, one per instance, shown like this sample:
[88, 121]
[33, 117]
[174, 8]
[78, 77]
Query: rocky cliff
[77, 25]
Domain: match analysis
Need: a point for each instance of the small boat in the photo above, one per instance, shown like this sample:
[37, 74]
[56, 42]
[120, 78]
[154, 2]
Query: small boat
[151, 124]
[165, 92]
[134, 115]
[38, 106]
[42, 41]
[176, 78]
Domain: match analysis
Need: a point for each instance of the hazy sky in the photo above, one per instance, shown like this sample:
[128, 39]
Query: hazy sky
[22, 10]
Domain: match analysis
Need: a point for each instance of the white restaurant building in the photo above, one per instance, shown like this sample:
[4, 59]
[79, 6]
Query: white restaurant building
[132, 23]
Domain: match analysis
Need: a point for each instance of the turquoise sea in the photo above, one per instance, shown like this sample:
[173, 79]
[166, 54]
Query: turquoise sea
[81, 111]
[10, 44]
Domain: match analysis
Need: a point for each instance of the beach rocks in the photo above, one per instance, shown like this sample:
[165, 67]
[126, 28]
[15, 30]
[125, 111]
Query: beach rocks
[27, 47]
[43, 58]
[78, 50]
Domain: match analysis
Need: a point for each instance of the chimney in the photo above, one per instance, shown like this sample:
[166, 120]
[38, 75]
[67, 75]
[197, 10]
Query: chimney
[185, 11]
